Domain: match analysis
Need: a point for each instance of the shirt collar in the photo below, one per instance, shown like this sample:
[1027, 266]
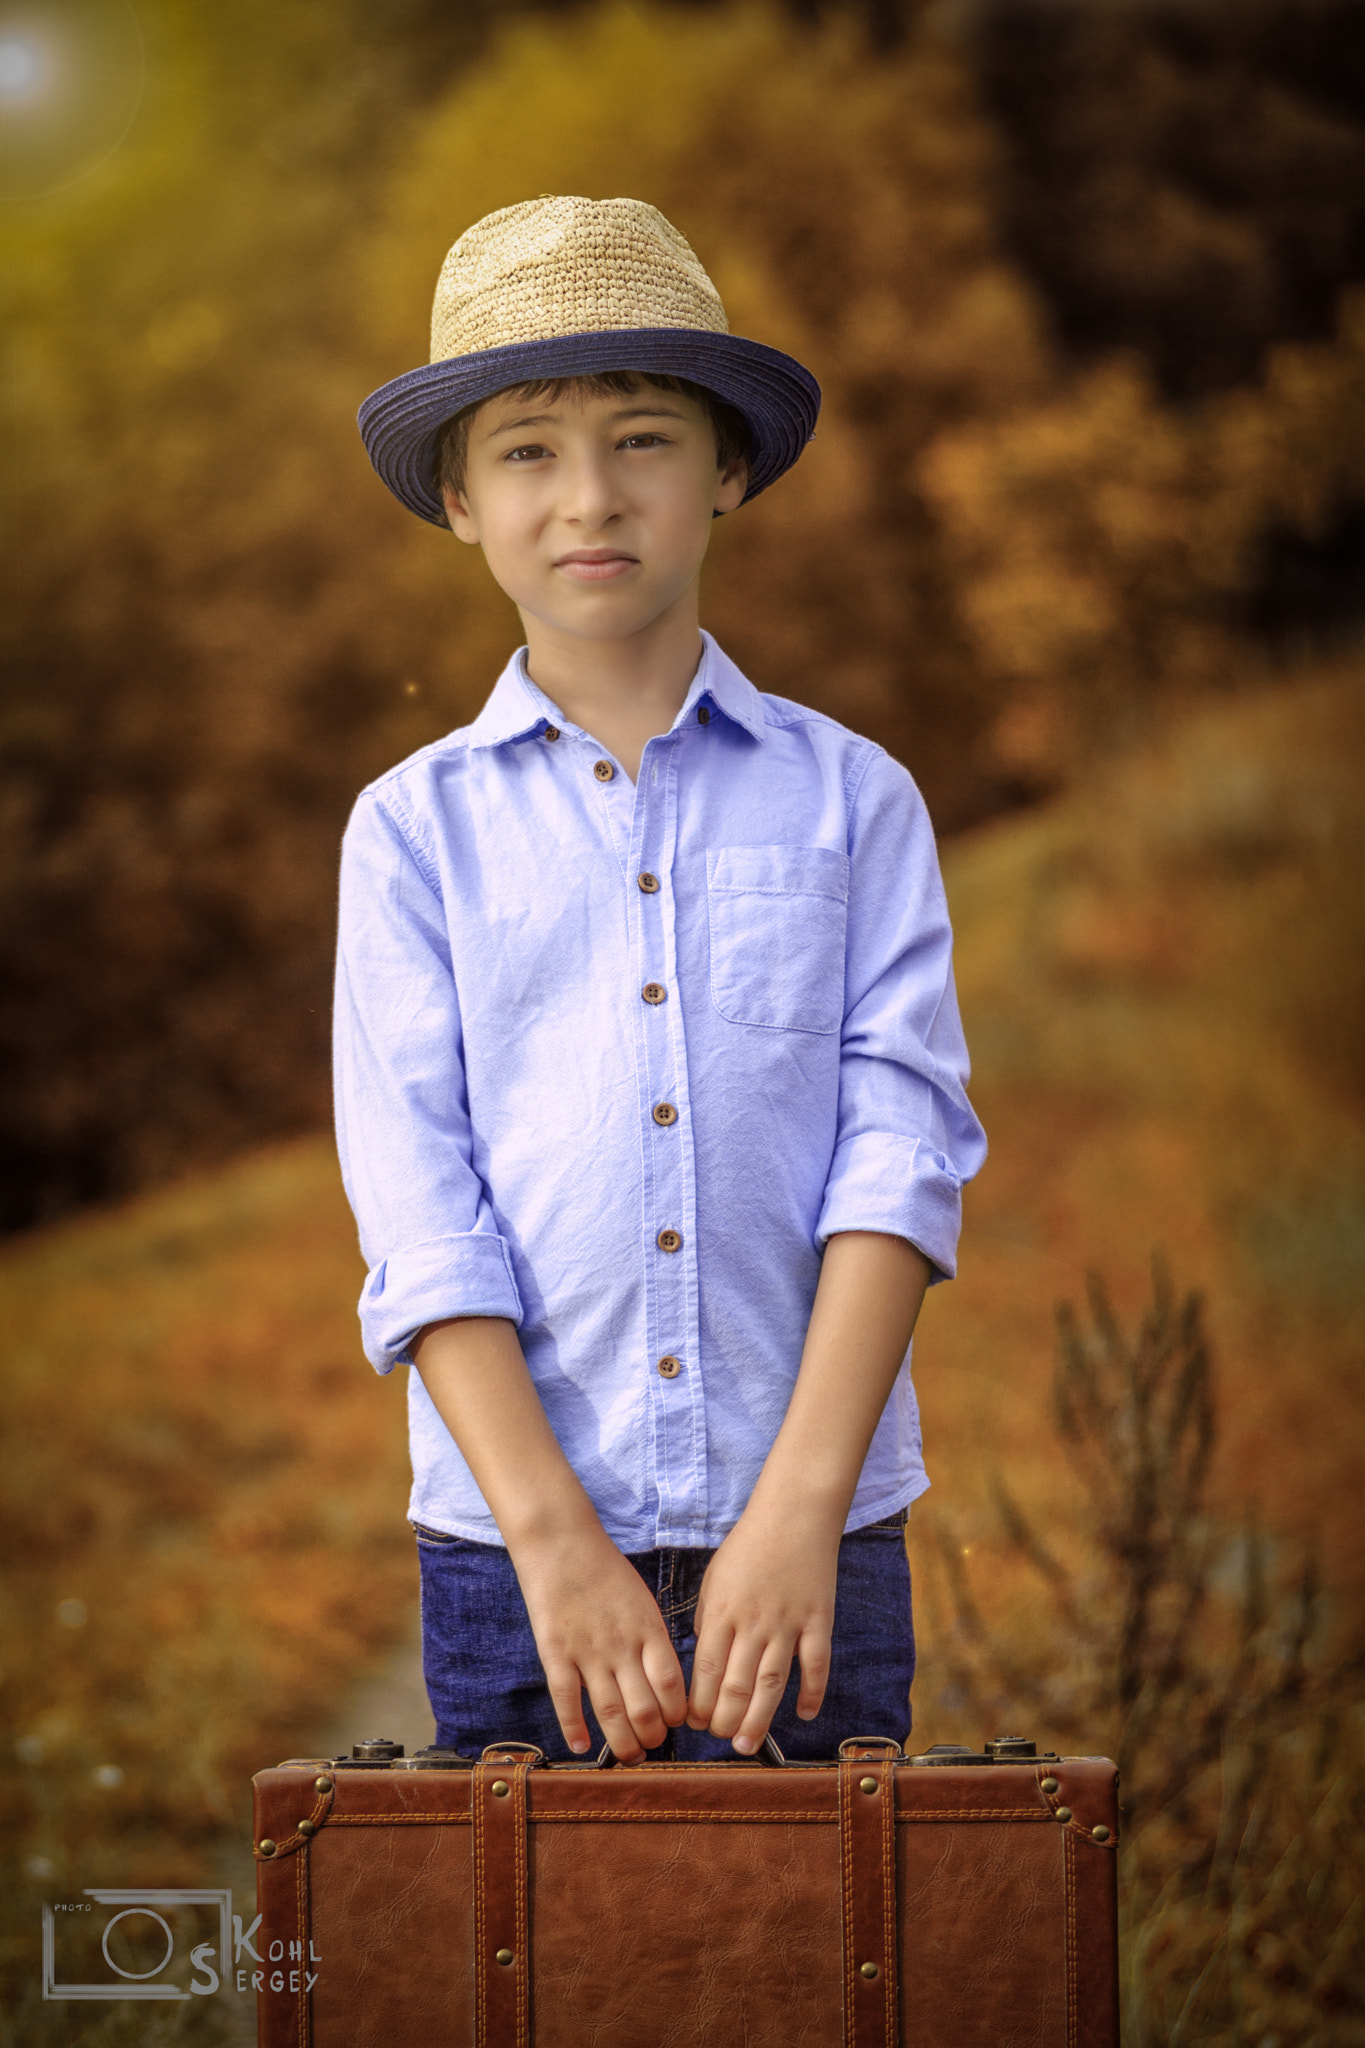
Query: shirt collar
[517, 707]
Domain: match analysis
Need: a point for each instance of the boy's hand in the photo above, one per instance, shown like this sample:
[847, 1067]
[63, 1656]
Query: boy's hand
[768, 1596]
[597, 1625]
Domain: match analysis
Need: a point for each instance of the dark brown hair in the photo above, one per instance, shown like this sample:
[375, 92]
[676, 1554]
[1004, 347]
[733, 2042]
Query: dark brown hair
[733, 440]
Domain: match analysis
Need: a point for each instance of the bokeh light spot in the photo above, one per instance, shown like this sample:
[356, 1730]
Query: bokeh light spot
[21, 70]
[72, 1613]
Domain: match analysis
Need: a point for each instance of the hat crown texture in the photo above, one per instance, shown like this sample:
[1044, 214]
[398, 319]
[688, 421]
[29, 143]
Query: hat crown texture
[568, 265]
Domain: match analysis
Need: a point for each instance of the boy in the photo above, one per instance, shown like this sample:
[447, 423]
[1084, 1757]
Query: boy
[649, 1070]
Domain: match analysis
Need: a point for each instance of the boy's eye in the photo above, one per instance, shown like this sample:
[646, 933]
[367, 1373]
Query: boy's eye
[644, 440]
[530, 452]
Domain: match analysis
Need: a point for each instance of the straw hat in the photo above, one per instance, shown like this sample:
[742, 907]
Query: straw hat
[564, 287]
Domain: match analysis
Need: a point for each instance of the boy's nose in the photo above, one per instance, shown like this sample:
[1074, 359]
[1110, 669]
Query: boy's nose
[591, 497]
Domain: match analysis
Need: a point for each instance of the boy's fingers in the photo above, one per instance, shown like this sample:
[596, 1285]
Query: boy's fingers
[615, 1725]
[708, 1669]
[664, 1673]
[642, 1707]
[770, 1682]
[736, 1689]
[814, 1652]
[566, 1695]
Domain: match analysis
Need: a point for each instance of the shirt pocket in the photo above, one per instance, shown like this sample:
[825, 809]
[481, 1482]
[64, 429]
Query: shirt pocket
[778, 917]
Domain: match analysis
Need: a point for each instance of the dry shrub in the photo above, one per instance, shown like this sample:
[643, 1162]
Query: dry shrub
[1204, 1659]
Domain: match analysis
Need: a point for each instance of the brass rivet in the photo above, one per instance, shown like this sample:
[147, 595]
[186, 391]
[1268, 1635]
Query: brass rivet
[266, 1846]
[322, 1784]
[1100, 1832]
[1049, 1785]
[501, 1788]
[506, 1957]
[306, 1827]
[867, 1784]
[1063, 1814]
[870, 1970]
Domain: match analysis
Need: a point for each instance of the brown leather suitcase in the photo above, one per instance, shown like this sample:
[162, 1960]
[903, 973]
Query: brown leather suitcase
[943, 1901]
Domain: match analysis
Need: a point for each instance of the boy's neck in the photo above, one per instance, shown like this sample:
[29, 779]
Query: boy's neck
[622, 691]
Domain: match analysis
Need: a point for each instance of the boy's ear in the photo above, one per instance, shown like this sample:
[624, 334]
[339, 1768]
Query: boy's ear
[458, 517]
[731, 485]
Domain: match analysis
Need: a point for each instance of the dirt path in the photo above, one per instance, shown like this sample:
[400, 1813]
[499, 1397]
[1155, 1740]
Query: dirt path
[393, 1703]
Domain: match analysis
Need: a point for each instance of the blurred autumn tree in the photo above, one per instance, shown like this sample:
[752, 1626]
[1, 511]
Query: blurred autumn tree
[1036, 261]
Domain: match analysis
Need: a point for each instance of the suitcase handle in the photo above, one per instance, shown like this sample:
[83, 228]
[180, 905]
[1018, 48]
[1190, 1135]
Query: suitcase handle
[768, 1753]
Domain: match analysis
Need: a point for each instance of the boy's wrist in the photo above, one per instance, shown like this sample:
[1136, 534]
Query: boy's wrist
[566, 1518]
[804, 1512]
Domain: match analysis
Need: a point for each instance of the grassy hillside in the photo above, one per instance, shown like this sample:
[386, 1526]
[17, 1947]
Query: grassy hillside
[204, 1483]
[1162, 980]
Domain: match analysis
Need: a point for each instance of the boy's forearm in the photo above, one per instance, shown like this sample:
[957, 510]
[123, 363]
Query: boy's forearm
[869, 1296]
[476, 1375]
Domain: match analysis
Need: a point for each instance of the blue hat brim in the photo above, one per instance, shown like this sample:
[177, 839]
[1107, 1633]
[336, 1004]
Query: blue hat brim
[400, 423]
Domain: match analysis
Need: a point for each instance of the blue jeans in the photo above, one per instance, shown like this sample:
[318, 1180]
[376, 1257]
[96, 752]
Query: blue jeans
[486, 1684]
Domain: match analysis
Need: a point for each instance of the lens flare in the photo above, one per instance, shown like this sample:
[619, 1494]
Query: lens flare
[71, 81]
[21, 69]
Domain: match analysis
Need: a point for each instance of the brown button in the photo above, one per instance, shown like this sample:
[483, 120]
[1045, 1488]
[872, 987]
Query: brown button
[669, 1240]
[664, 1113]
[669, 1367]
[703, 716]
[552, 732]
[649, 883]
[654, 992]
[603, 770]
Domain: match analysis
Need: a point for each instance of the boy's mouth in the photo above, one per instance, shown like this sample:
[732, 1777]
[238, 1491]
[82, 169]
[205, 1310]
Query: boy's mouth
[596, 565]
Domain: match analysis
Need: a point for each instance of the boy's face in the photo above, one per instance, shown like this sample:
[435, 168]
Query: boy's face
[593, 511]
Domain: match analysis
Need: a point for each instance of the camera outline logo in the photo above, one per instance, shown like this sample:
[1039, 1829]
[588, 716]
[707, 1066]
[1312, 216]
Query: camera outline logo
[145, 1899]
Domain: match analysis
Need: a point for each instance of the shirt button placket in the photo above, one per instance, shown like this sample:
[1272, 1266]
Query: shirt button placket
[668, 1282]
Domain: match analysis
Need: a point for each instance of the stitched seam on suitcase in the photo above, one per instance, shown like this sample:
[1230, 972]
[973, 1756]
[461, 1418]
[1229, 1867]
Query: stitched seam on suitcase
[1072, 2016]
[522, 1935]
[846, 1847]
[480, 1937]
[301, 1905]
[887, 1796]
[722, 1816]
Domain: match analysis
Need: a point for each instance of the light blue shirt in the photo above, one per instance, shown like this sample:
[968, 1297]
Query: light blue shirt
[615, 1060]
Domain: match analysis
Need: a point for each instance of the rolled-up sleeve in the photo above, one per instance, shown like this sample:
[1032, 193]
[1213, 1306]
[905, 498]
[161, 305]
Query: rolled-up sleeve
[908, 1137]
[427, 1230]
